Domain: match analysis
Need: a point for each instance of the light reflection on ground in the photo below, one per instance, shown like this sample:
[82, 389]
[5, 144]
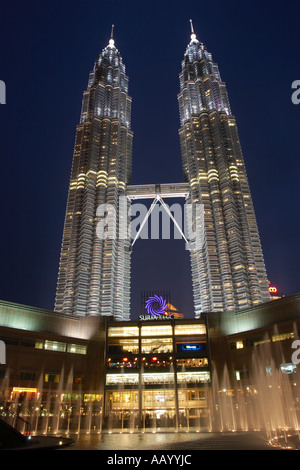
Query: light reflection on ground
[172, 441]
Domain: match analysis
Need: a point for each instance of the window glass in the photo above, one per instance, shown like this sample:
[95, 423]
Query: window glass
[156, 330]
[123, 331]
[190, 329]
[127, 379]
[283, 336]
[55, 346]
[54, 378]
[193, 377]
[157, 345]
[193, 362]
[123, 398]
[125, 363]
[116, 346]
[154, 362]
[158, 398]
[161, 378]
[77, 348]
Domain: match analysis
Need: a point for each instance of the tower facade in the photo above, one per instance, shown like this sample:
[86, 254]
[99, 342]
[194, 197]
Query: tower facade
[94, 271]
[228, 272]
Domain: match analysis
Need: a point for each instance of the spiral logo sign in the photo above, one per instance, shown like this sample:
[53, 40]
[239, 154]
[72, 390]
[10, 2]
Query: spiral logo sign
[156, 306]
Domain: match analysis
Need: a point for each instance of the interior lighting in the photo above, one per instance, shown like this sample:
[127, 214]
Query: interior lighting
[24, 389]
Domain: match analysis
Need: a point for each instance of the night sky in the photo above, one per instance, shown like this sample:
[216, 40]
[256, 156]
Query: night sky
[47, 52]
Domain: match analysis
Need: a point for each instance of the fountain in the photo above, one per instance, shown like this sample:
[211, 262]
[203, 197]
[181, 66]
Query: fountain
[264, 400]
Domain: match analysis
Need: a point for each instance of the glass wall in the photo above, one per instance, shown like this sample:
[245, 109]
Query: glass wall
[122, 379]
[158, 409]
[157, 376]
[190, 329]
[123, 331]
[156, 330]
[118, 345]
[190, 363]
[157, 345]
[193, 377]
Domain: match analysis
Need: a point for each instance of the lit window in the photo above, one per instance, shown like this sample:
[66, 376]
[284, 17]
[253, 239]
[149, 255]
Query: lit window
[123, 331]
[192, 329]
[192, 362]
[158, 330]
[239, 345]
[92, 397]
[127, 379]
[162, 378]
[54, 378]
[123, 345]
[55, 346]
[155, 345]
[159, 397]
[282, 336]
[193, 377]
[76, 348]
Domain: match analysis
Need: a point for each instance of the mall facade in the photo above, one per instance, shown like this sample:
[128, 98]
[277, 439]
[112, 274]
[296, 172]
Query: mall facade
[65, 373]
[157, 373]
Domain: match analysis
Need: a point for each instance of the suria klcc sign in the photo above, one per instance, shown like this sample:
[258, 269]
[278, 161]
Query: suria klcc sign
[156, 307]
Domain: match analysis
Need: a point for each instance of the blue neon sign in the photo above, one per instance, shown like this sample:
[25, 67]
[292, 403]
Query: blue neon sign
[191, 347]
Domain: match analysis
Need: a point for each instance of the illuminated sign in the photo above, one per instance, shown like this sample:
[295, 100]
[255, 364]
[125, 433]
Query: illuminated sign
[273, 290]
[150, 317]
[190, 347]
[156, 306]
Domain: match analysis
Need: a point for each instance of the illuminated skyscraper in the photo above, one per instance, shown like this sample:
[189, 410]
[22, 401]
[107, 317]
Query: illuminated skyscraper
[94, 272]
[228, 273]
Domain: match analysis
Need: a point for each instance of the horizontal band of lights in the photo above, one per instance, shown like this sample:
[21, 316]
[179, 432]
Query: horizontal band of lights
[193, 377]
[190, 329]
[158, 378]
[25, 390]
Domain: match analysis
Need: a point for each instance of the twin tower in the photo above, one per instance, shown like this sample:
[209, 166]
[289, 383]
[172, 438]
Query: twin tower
[228, 269]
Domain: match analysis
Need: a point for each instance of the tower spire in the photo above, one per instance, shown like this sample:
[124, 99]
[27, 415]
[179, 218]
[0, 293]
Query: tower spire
[192, 27]
[193, 35]
[111, 41]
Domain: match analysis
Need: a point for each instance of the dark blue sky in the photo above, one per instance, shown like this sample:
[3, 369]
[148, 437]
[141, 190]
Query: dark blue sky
[47, 51]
